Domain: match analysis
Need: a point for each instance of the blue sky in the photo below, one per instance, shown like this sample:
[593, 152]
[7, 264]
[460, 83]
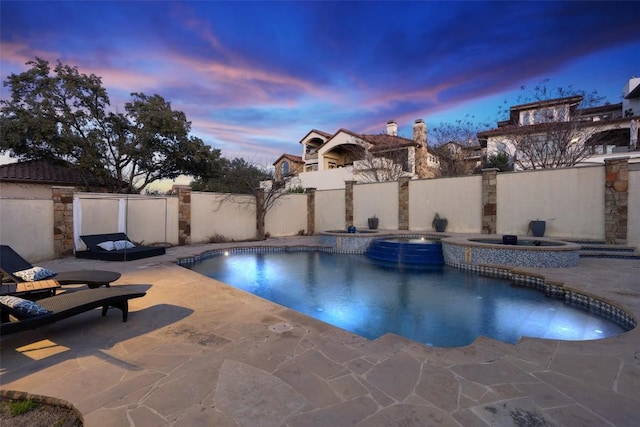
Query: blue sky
[255, 77]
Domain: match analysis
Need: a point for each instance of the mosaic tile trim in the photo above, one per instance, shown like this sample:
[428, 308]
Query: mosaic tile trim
[552, 290]
[472, 254]
[358, 244]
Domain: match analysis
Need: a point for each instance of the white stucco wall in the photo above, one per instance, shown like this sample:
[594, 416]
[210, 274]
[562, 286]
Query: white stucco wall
[459, 200]
[570, 200]
[11, 190]
[330, 208]
[287, 216]
[379, 199]
[633, 219]
[324, 180]
[27, 226]
[231, 216]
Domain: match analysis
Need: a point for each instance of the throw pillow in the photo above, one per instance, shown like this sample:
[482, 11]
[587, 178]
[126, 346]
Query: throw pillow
[22, 308]
[34, 273]
[123, 244]
[108, 245]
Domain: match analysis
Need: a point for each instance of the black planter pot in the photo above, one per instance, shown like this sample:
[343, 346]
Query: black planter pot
[538, 227]
[373, 223]
[440, 225]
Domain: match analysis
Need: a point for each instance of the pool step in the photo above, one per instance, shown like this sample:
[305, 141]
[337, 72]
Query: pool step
[406, 252]
[603, 250]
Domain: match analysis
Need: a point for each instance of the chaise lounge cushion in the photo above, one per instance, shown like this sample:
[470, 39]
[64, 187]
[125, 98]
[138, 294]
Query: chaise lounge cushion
[21, 308]
[34, 273]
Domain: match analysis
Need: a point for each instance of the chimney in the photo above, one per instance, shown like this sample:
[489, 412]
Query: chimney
[420, 132]
[392, 128]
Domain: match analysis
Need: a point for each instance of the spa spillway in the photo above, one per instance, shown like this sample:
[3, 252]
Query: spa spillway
[411, 251]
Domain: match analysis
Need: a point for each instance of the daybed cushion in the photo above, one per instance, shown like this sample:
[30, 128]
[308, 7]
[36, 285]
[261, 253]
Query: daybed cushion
[22, 308]
[130, 253]
[34, 273]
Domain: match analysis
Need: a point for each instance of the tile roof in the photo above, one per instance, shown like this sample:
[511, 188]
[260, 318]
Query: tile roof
[46, 172]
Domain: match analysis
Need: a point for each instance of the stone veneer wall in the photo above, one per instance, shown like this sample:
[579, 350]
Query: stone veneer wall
[489, 200]
[348, 203]
[311, 210]
[616, 196]
[403, 204]
[62, 221]
[184, 215]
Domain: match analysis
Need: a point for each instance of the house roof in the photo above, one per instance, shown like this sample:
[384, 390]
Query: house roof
[319, 132]
[290, 157]
[635, 93]
[42, 171]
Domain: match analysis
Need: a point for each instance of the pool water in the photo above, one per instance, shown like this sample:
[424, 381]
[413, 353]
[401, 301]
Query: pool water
[441, 306]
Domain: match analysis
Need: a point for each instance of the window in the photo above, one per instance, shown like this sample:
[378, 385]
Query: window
[284, 168]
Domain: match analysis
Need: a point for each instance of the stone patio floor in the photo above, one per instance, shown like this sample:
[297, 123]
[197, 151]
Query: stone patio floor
[198, 352]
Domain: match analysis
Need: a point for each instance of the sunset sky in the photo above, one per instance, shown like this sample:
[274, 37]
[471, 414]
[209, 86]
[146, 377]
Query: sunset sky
[255, 77]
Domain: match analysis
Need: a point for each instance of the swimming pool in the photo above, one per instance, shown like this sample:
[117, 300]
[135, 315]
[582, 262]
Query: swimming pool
[442, 306]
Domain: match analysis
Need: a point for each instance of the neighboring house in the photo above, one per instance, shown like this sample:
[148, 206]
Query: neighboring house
[595, 133]
[328, 160]
[287, 165]
[467, 158]
[33, 179]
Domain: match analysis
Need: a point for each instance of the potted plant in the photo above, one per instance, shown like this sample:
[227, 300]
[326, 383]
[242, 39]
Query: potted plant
[439, 224]
[373, 222]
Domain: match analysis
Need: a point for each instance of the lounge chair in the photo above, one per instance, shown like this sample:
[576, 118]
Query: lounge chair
[115, 247]
[11, 263]
[22, 315]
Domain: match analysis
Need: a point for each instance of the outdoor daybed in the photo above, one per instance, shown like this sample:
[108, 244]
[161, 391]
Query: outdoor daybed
[115, 247]
[16, 269]
[18, 314]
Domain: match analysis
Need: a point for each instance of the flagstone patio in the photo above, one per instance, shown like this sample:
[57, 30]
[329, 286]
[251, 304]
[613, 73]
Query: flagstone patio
[198, 352]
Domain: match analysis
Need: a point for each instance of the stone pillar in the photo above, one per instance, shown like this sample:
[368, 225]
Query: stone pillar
[62, 221]
[311, 211]
[489, 200]
[616, 196]
[184, 214]
[403, 204]
[348, 203]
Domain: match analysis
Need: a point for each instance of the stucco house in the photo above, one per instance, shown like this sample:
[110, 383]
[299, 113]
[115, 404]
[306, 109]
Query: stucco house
[605, 131]
[328, 160]
[34, 179]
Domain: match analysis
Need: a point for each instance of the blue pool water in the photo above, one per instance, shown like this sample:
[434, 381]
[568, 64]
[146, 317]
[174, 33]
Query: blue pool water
[442, 306]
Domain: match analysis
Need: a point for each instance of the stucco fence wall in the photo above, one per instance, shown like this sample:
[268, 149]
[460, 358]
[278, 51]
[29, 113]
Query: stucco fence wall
[459, 200]
[27, 226]
[571, 201]
[329, 210]
[233, 217]
[379, 199]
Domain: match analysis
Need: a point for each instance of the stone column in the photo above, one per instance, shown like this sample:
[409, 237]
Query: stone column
[489, 200]
[311, 211]
[184, 214]
[62, 221]
[403, 204]
[348, 203]
[616, 196]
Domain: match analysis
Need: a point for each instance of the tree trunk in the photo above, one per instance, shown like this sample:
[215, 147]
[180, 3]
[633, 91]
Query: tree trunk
[260, 215]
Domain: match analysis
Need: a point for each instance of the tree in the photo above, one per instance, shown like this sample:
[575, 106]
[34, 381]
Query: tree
[553, 132]
[380, 158]
[500, 161]
[62, 114]
[457, 146]
[241, 177]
